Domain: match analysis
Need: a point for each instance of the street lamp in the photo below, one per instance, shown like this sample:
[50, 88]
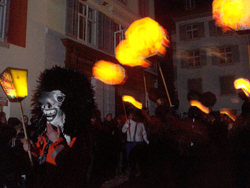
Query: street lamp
[14, 84]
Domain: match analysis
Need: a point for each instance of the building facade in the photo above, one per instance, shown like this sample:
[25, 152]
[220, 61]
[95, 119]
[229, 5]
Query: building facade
[206, 59]
[36, 35]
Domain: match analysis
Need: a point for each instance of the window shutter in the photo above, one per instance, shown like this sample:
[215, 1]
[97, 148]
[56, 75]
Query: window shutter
[203, 57]
[100, 30]
[212, 28]
[235, 54]
[106, 28]
[112, 32]
[143, 8]
[72, 18]
[201, 30]
[17, 22]
[215, 56]
[183, 35]
[108, 35]
[184, 59]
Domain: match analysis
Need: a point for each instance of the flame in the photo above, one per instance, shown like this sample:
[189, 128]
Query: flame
[243, 84]
[128, 56]
[109, 73]
[199, 105]
[229, 113]
[127, 98]
[232, 14]
[144, 38]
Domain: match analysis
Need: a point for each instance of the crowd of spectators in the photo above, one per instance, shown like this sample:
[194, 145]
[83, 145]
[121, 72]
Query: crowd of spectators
[14, 162]
[175, 144]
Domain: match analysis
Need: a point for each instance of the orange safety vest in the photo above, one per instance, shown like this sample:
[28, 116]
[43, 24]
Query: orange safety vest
[54, 149]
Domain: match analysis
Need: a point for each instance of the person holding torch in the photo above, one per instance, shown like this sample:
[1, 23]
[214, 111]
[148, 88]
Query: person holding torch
[136, 134]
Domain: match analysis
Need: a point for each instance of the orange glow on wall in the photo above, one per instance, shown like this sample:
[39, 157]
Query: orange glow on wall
[243, 84]
[127, 98]
[144, 38]
[109, 73]
[199, 105]
[232, 14]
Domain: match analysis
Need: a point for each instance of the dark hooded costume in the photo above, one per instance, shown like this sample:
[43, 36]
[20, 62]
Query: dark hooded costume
[65, 165]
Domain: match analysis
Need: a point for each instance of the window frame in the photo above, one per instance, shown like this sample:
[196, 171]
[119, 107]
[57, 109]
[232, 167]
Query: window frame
[192, 30]
[88, 37]
[118, 36]
[194, 57]
[4, 20]
[14, 27]
[185, 58]
[224, 56]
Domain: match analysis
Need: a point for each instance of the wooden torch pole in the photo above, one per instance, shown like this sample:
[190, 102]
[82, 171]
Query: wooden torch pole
[170, 103]
[25, 133]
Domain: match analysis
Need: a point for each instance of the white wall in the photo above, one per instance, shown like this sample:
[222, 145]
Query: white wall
[210, 73]
[31, 57]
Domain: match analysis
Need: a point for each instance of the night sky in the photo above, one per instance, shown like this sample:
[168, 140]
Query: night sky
[164, 13]
[166, 10]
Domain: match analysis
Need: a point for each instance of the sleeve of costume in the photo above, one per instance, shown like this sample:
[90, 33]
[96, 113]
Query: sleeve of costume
[144, 134]
[38, 150]
[125, 127]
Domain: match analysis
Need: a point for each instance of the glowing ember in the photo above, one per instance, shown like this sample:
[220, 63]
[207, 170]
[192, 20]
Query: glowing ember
[144, 38]
[200, 106]
[109, 73]
[243, 84]
[131, 100]
[232, 14]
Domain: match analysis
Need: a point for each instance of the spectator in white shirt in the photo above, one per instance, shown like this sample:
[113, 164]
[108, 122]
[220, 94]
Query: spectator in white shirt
[136, 134]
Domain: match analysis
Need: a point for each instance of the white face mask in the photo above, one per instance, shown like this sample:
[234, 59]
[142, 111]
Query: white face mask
[51, 107]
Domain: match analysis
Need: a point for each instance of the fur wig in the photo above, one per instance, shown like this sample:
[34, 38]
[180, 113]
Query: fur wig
[78, 105]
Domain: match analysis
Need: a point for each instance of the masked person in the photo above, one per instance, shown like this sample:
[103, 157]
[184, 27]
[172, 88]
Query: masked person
[62, 110]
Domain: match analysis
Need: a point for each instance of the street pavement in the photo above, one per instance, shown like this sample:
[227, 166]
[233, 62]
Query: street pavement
[211, 167]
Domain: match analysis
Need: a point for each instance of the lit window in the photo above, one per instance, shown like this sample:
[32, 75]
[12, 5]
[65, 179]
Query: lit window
[194, 58]
[3, 9]
[225, 55]
[86, 23]
[192, 31]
